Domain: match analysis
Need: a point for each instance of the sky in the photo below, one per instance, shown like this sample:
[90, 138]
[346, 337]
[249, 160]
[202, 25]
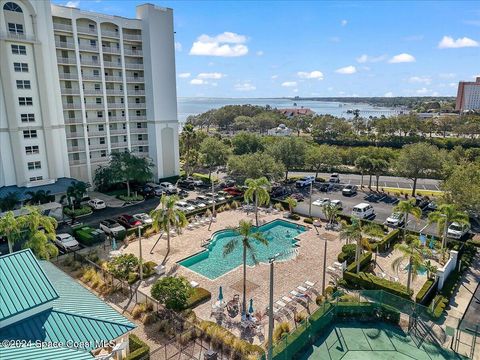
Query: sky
[312, 48]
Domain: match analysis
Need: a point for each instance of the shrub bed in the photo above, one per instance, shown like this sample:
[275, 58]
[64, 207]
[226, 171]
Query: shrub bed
[130, 198]
[387, 242]
[138, 349]
[347, 254]
[88, 236]
[421, 296]
[199, 296]
[365, 260]
[84, 210]
[371, 282]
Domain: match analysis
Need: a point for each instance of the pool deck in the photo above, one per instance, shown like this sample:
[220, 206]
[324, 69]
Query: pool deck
[307, 265]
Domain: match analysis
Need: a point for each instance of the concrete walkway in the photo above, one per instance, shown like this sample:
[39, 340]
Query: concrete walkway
[111, 201]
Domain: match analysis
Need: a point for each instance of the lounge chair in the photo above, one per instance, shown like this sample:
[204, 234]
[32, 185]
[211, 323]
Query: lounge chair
[300, 297]
[194, 284]
[290, 303]
[309, 284]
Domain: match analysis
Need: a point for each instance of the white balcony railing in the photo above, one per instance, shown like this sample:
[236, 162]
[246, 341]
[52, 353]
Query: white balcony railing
[88, 47]
[110, 33]
[133, 52]
[62, 27]
[133, 66]
[70, 91]
[90, 62]
[113, 78]
[112, 64]
[137, 37]
[65, 44]
[72, 105]
[135, 79]
[66, 60]
[87, 30]
[137, 105]
[111, 50]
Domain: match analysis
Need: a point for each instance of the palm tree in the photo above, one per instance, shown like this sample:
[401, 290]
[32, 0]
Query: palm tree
[444, 216]
[38, 197]
[331, 212]
[292, 204]
[410, 251]
[11, 228]
[188, 136]
[257, 192]
[166, 216]
[408, 207]
[431, 269]
[248, 235]
[360, 234]
[9, 201]
[40, 241]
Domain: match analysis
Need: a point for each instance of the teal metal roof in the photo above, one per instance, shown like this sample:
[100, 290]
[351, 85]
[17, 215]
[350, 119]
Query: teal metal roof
[23, 284]
[56, 326]
[39, 353]
[75, 299]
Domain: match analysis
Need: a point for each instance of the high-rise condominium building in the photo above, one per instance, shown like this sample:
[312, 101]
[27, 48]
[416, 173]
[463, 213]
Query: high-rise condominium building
[468, 95]
[76, 86]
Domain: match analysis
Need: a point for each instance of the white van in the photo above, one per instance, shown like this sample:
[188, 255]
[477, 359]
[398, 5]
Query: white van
[363, 211]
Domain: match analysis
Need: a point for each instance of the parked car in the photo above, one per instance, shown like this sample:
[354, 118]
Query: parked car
[196, 182]
[66, 242]
[111, 227]
[218, 197]
[227, 183]
[128, 221]
[196, 203]
[457, 231]
[397, 219]
[169, 188]
[144, 218]
[182, 194]
[204, 199]
[297, 196]
[334, 178]
[305, 181]
[184, 206]
[349, 190]
[146, 191]
[224, 194]
[279, 191]
[186, 184]
[156, 188]
[324, 187]
[337, 203]
[234, 191]
[363, 211]
[97, 204]
[321, 202]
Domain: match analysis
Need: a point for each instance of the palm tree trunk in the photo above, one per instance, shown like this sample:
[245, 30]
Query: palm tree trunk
[414, 188]
[256, 209]
[409, 277]
[370, 182]
[10, 246]
[361, 182]
[128, 188]
[378, 178]
[405, 227]
[357, 255]
[244, 308]
[168, 239]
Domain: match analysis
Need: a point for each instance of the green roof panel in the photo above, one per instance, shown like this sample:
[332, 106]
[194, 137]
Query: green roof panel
[23, 284]
[43, 353]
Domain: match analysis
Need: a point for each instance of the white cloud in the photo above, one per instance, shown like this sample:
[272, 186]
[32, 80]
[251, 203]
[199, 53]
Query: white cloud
[362, 59]
[422, 91]
[448, 42]
[72, 4]
[310, 75]
[198, 82]
[214, 75]
[184, 75]
[453, 84]
[447, 75]
[260, 53]
[420, 80]
[295, 90]
[246, 86]
[289, 84]
[347, 70]
[227, 44]
[344, 22]
[388, 94]
[274, 77]
[402, 58]
[178, 46]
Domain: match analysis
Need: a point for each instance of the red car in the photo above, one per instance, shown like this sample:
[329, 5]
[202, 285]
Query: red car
[234, 191]
[128, 221]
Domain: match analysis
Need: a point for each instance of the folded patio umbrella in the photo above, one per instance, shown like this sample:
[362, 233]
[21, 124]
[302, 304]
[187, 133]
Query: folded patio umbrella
[250, 309]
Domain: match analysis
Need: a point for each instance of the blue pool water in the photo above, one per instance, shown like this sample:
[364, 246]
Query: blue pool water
[422, 270]
[211, 263]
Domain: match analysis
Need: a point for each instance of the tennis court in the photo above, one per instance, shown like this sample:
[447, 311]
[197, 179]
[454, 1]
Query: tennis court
[372, 341]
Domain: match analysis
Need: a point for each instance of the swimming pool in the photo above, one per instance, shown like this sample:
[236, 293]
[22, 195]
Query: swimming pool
[211, 263]
[422, 270]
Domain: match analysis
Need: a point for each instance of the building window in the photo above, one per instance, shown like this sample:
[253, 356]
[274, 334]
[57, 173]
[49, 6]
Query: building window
[25, 101]
[11, 6]
[34, 165]
[99, 114]
[97, 86]
[124, 126]
[91, 26]
[23, 84]
[15, 28]
[101, 127]
[124, 138]
[98, 100]
[36, 178]
[27, 118]
[19, 50]
[103, 153]
[93, 43]
[96, 72]
[30, 150]
[139, 125]
[102, 141]
[29, 134]
[20, 67]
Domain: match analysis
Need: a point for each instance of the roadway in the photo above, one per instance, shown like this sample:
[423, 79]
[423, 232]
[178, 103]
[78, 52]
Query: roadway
[384, 181]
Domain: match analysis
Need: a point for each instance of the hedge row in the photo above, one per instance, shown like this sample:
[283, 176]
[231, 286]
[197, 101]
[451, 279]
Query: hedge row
[371, 282]
[365, 260]
[347, 254]
[138, 349]
[84, 210]
[421, 296]
[387, 242]
[85, 235]
[200, 295]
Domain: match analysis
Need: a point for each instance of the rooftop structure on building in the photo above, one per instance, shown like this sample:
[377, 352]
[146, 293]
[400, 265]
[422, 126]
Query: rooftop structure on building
[468, 95]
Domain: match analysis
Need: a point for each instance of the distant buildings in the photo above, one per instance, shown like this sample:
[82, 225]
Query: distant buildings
[295, 112]
[76, 86]
[280, 130]
[48, 315]
[468, 95]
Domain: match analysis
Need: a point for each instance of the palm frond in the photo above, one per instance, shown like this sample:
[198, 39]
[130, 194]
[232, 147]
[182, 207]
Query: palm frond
[229, 247]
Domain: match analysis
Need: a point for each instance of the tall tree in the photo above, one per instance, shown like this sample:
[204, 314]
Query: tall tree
[248, 236]
[462, 187]
[292, 204]
[255, 165]
[257, 192]
[412, 252]
[360, 234]
[38, 197]
[323, 156]
[125, 167]
[407, 208]
[214, 153]
[166, 217]
[363, 164]
[188, 137]
[246, 143]
[290, 151]
[380, 167]
[417, 161]
[9, 201]
[10, 228]
[39, 231]
[444, 216]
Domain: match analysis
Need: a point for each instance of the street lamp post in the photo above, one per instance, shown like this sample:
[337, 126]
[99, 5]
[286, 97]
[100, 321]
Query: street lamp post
[140, 250]
[324, 266]
[310, 204]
